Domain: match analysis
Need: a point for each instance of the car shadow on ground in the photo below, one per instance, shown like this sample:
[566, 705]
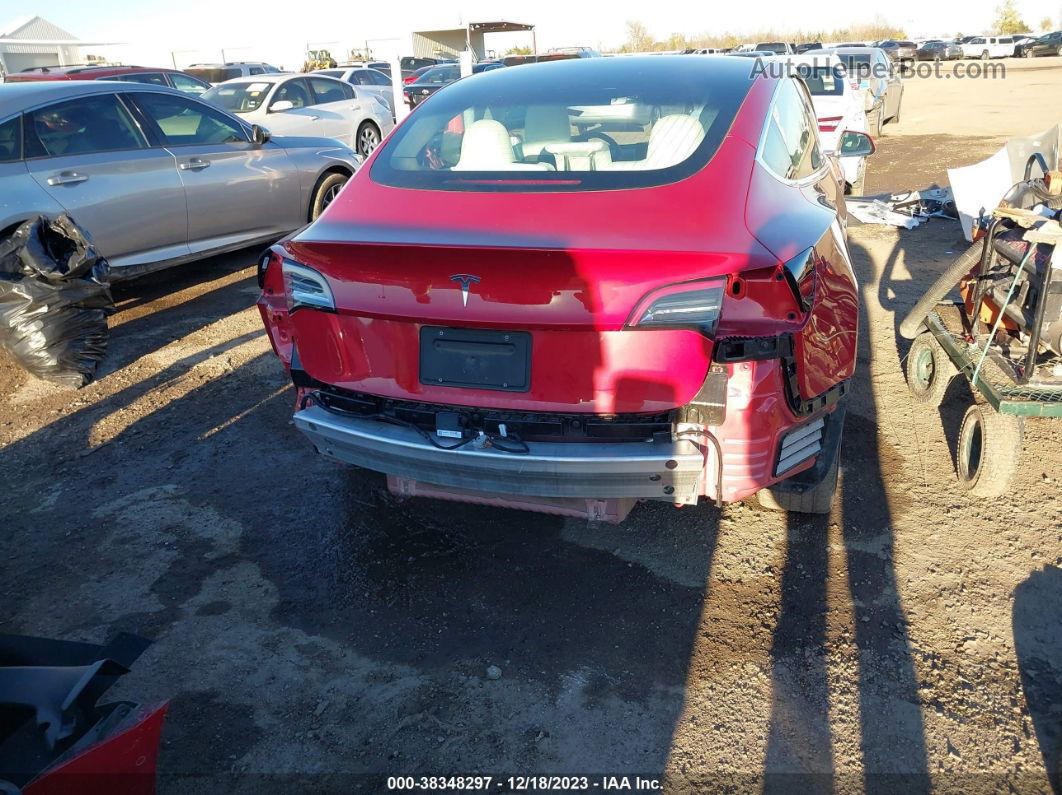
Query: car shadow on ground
[944, 244]
[1038, 645]
[892, 739]
[161, 307]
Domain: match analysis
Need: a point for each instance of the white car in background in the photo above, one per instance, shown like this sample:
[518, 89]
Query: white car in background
[371, 81]
[840, 106]
[985, 47]
[306, 104]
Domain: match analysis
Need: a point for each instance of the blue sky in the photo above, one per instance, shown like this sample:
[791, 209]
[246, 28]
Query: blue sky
[279, 30]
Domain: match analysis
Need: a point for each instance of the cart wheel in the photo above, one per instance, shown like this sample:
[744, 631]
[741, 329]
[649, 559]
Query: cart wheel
[989, 446]
[929, 370]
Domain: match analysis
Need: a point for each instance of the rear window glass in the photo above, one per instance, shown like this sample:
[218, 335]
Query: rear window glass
[212, 75]
[239, 97]
[822, 81]
[150, 78]
[859, 66]
[10, 140]
[440, 74]
[588, 124]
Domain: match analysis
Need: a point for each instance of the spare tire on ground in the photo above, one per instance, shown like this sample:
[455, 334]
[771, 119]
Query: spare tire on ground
[54, 300]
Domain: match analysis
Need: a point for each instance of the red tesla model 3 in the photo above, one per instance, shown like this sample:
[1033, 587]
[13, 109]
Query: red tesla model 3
[571, 286]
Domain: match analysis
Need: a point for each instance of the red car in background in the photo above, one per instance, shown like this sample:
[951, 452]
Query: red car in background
[133, 74]
[626, 279]
[413, 76]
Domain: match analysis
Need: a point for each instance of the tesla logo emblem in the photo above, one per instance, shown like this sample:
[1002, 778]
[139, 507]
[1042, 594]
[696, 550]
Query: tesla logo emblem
[466, 280]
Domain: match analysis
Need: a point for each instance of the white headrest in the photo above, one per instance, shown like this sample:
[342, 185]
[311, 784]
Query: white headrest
[485, 147]
[545, 124]
[673, 139]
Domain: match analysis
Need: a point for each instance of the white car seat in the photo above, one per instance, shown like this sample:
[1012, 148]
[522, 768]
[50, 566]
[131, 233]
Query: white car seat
[545, 124]
[486, 146]
[672, 140]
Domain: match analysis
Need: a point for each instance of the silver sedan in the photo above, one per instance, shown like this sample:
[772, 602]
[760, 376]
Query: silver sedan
[155, 176]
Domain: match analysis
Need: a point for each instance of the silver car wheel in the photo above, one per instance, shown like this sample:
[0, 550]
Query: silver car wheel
[330, 194]
[368, 140]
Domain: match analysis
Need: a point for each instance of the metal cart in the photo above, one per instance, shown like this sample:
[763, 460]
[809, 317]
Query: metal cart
[1004, 338]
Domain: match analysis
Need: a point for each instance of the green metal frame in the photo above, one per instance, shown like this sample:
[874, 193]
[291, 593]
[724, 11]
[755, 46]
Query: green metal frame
[1020, 401]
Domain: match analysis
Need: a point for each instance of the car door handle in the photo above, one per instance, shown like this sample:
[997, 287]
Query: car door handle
[195, 164]
[67, 178]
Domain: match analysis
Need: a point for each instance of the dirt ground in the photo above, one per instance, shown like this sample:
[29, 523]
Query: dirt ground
[313, 633]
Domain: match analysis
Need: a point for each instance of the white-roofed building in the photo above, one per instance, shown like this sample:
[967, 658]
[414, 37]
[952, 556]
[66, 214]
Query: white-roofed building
[32, 42]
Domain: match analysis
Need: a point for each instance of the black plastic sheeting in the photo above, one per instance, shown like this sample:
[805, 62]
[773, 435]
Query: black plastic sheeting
[54, 300]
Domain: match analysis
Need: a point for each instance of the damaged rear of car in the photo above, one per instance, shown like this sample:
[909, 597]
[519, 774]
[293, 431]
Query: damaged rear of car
[627, 279]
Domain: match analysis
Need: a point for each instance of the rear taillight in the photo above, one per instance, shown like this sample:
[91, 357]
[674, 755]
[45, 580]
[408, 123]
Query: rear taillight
[410, 79]
[694, 304]
[829, 123]
[305, 287]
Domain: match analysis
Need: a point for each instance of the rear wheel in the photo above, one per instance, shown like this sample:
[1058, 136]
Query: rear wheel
[1028, 53]
[327, 189]
[368, 138]
[929, 370]
[984, 55]
[1058, 52]
[988, 451]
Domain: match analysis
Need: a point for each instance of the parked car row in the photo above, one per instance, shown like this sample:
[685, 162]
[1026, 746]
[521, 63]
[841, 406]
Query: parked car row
[906, 51]
[182, 81]
[986, 47]
[1049, 44]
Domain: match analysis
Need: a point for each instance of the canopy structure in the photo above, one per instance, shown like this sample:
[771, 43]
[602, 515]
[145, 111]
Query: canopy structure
[451, 42]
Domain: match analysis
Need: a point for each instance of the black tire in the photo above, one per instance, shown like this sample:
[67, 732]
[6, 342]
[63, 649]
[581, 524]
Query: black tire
[929, 370]
[367, 138]
[984, 55]
[817, 500]
[1058, 52]
[1027, 53]
[327, 189]
[963, 264]
[988, 450]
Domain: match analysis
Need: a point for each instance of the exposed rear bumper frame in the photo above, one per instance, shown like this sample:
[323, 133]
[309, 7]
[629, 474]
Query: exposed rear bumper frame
[644, 470]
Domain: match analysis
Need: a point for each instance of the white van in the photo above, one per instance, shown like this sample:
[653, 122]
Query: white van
[985, 47]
